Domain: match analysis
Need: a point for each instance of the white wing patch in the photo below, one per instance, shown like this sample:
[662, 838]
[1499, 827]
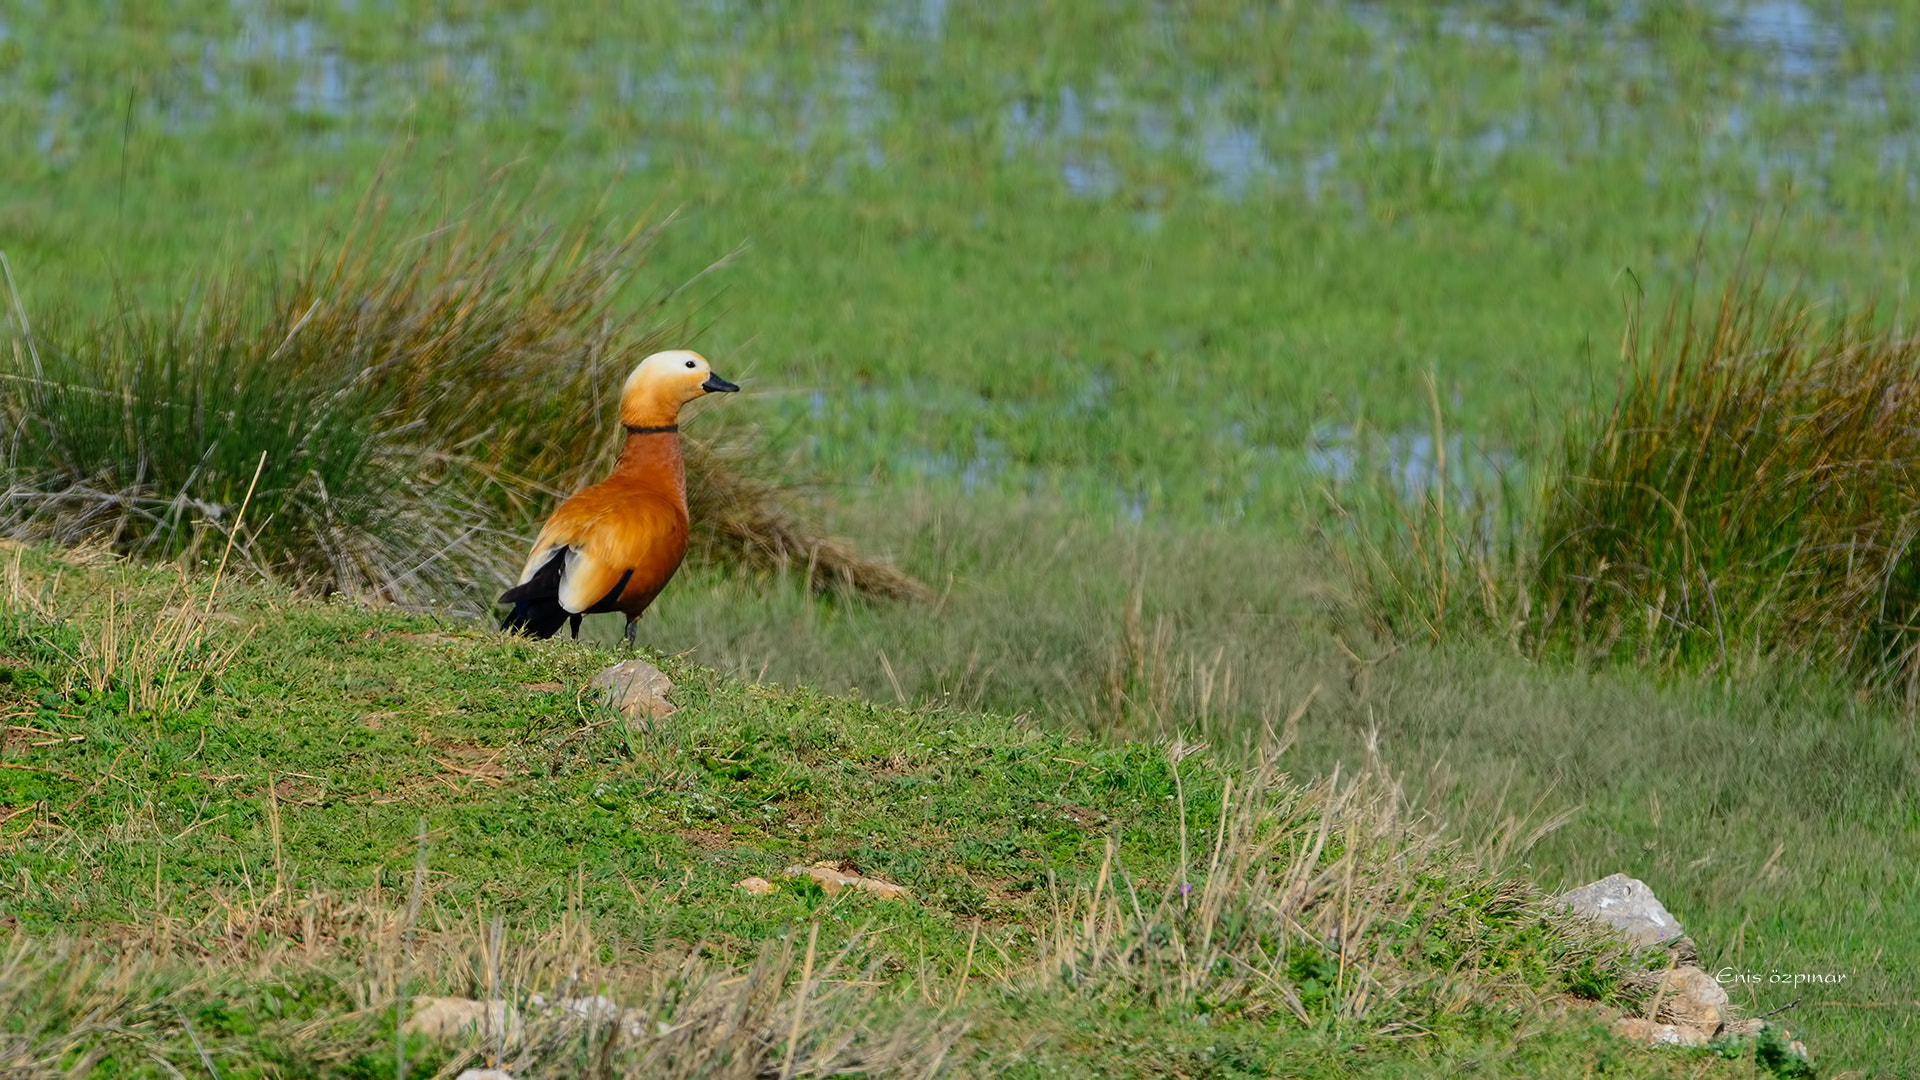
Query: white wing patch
[583, 583]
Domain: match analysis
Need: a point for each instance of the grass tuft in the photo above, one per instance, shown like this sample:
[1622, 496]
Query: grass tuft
[1750, 495]
[414, 402]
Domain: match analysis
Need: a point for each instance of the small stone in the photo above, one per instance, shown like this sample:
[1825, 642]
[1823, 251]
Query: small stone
[1646, 1031]
[832, 879]
[445, 1018]
[1628, 905]
[758, 886]
[1690, 996]
[636, 688]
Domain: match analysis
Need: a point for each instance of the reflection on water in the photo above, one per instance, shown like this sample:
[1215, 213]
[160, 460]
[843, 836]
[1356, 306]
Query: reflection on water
[1805, 47]
[1244, 136]
[1407, 460]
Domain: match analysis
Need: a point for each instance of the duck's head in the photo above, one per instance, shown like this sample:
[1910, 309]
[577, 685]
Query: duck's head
[662, 383]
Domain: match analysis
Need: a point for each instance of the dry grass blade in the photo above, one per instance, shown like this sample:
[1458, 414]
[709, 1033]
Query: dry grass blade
[1311, 904]
[665, 1014]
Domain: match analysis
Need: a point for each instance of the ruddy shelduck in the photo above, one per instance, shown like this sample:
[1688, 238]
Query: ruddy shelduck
[613, 546]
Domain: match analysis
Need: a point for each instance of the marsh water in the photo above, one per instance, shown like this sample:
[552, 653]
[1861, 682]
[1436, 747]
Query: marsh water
[1200, 234]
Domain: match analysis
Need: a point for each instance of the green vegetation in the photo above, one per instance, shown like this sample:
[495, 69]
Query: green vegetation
[349, 807]
[1078, 312]
[1750, 497]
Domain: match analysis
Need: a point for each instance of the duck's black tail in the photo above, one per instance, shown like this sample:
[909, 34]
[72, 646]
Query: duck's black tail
[536, 602]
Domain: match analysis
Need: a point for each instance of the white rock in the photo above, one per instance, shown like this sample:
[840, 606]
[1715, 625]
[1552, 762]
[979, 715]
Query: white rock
[1628, 904]
[598, 1009]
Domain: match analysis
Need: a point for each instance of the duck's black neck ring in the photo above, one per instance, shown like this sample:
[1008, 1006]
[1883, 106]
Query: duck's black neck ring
[663, 429]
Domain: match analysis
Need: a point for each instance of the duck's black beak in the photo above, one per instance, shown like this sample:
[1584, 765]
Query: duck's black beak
[717, 385]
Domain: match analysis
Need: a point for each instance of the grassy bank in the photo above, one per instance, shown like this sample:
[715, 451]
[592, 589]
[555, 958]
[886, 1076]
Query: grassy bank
[343, 808]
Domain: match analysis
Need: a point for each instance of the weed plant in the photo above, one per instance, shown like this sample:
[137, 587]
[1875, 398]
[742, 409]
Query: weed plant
[1419, 551]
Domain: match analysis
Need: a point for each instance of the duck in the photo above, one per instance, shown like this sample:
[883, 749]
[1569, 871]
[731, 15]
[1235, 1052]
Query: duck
[614, 545]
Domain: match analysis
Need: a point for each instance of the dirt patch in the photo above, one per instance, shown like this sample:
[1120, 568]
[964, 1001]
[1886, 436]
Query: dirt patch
[543, 687]
[1005, 890]
[301, 789]
[705, 839]
[898, 763]
[1084, 816]
[30, 737]
[477, 764]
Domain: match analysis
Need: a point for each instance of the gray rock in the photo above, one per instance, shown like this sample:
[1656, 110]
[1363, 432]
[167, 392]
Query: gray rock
[598, 1009]
[636, 688]
[1628, 904]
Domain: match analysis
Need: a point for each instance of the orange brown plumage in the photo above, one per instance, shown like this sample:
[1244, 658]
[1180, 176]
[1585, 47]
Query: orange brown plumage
[614, 545]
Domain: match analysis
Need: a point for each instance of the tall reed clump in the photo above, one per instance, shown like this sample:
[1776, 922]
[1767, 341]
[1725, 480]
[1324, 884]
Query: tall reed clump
[1752, 492]
[422, 395]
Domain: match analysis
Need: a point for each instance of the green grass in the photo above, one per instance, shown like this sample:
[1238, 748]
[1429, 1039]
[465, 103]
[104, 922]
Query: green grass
[398, 412]
[1774, 814]
[355, 801]
[1192, 327]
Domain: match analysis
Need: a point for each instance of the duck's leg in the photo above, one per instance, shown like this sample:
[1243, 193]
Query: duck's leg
[633, 624]
[575, 620]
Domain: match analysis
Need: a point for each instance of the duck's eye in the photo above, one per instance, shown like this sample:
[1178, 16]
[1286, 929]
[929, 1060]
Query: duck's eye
[689, 363]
